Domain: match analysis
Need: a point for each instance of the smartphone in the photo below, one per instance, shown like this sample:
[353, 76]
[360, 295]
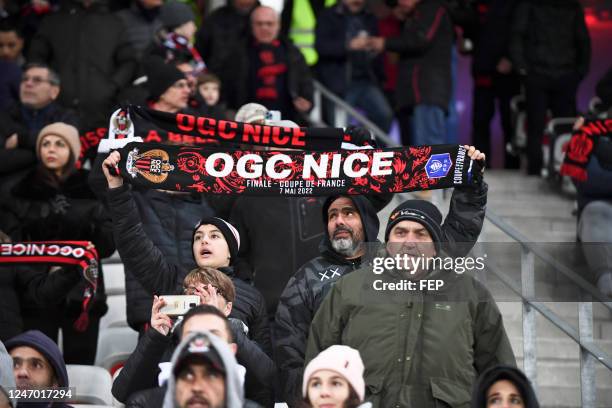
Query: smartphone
[179, 305]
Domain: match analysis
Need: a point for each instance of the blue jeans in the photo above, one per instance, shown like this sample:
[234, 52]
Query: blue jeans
[369, 97]
[428, 125]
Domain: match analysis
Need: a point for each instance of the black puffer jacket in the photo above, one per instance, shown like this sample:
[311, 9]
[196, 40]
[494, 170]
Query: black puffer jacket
[303, 295]
[550, 38]
[36, 211]
[141, 370]
[158, 276]
[91, 52]
[424, 46]
[168, 220]
[27, 123]
[31, 285]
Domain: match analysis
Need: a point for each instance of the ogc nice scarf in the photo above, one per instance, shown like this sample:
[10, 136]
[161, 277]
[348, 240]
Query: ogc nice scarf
[80, 253]
[581, 146]
[161, 127]
[286, 173]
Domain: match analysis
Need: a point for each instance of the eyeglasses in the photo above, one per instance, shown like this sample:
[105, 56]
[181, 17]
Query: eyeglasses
[36, 80]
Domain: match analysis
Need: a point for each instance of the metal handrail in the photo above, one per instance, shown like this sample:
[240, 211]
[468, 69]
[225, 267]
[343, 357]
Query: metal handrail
[342, 105]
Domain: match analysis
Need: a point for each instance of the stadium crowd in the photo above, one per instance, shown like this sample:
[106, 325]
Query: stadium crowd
[283, 316]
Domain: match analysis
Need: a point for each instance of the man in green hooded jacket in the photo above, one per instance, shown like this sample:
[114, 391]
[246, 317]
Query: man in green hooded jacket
[424, 333]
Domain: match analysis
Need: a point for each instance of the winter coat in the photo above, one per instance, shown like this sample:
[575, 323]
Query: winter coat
[31, 285]
[550, 38]
[159, 276]
[91, 52]
[304, 293]
[309, 286]
[168, 220]
[140, 371]
[37, 211]
[235, 89]
[27, 123]
[420, 349]
[273, 226]
[334, 67]
[424, 47]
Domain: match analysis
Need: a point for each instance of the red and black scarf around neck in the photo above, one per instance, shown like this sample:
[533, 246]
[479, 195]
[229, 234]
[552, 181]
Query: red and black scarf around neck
[582, 145]
[62, 253]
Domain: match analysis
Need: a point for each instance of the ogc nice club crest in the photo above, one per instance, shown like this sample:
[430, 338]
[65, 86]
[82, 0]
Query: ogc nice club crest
[153, 165]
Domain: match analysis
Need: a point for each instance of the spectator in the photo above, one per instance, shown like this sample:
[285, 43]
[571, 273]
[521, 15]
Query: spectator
[551, 49]
[21, 122]
[214, 243]
[11, 43]
[204, 372]
[37, 363]
[503, 386]
[93, 70]
[142, 22]
[173, 41]
[207, 97]
[269, 70]
[351, 223]
[595, 213]
[221, 33]
[334, 378]
[424, 71]
[432, 349]
[167, 86]
[212, 286]
[494, 78]
[54, 202]
[139, 372]
[347, 65]
[7, 379]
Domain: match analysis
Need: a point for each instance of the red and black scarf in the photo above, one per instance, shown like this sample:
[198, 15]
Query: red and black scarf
[66, 253]
[582, 145]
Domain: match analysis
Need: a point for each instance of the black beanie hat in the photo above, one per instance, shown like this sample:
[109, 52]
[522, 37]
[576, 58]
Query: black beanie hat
[160, 77]
[420, 211]
[230, 233]
[501, 372]
[174, 14]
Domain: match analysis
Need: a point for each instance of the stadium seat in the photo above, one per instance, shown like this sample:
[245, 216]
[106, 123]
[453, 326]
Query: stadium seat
[91, 384]
[115, 344]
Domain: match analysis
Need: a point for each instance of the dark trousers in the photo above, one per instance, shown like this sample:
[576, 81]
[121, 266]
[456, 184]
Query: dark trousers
[489, 89]
[556, 94]
[79, 347]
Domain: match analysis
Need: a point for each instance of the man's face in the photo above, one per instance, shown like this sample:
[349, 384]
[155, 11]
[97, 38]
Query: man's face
[36, 91]
[210, 322]
[10, 46]
[31, 369]
[410, 238]
[354, 6]
[177, 96]
[345, 228]
[265, 24]
[199, 385]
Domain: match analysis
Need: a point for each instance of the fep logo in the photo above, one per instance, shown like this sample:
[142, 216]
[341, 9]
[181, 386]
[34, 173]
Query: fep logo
[438, 165]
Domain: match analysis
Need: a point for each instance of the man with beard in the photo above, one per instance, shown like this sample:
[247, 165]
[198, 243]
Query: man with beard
[420, 347]
[351, 222]
[37, 363]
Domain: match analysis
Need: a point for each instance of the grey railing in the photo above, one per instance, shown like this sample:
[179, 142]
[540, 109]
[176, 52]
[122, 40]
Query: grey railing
[589, 351]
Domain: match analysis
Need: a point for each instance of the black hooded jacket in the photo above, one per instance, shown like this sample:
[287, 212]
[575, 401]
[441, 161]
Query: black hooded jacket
[158, 276]
[304, 293]
[497, 373]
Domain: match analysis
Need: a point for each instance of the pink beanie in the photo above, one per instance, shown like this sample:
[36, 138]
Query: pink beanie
[344, 360]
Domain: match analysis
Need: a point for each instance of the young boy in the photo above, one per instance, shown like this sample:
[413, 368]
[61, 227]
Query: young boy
[207, 96]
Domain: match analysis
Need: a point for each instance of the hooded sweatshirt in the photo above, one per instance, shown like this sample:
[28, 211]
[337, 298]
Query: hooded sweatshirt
[44, 345]
[7, 379]
[306, 290]
[234, 396]
[501, 372]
